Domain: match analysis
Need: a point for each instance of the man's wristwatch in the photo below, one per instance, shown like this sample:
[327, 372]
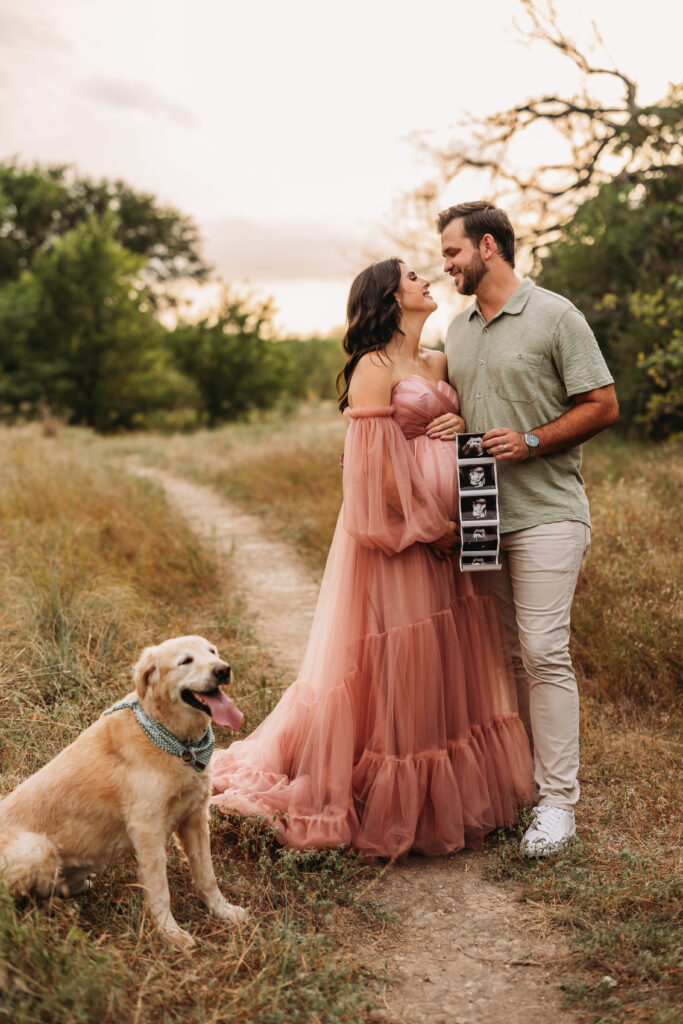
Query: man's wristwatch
[532, 443]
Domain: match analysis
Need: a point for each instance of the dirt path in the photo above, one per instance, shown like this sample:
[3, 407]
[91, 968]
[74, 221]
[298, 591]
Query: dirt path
[461, 950]
[279, 592]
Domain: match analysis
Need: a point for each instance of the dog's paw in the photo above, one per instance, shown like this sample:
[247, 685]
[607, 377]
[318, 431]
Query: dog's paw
[229, 912]
[179, 938]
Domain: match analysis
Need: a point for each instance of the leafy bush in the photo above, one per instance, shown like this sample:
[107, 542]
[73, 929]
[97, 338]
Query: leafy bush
[659, 314]
[611, 261]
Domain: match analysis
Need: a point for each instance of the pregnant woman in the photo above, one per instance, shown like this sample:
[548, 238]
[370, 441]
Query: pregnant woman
[401, 731]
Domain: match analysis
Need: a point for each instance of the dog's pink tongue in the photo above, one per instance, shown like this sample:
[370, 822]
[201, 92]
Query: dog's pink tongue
[222, 709]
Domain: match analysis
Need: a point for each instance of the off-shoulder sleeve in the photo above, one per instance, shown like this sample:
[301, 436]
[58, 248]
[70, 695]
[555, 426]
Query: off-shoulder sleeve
[387, 503]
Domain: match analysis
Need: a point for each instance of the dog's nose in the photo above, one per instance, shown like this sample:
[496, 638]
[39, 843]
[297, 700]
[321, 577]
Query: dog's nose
[222, 673]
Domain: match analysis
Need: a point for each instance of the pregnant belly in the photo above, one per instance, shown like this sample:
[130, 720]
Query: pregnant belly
[438, 462]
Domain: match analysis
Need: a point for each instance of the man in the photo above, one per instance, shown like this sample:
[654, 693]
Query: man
[531, 378]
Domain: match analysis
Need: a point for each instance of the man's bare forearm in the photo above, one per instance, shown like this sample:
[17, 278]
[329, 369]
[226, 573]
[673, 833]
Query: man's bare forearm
[591, 413]
[586, 419]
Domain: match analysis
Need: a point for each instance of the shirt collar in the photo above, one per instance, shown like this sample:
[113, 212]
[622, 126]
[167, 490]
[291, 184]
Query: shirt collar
[515, 304]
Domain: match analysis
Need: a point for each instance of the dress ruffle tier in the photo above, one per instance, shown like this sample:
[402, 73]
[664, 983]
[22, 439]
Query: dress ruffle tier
[401, 732]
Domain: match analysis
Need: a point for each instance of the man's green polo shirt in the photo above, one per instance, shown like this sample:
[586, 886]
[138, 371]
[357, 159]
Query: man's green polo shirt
[520, 371]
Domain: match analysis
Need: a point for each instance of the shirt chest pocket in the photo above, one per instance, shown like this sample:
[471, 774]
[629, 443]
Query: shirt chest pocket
[515, 375]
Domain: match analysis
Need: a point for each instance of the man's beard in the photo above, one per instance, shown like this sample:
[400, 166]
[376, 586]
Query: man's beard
[473, 274]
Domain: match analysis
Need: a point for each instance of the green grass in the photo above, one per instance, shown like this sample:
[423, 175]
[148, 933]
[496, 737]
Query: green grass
[95, 566]
[628, 614]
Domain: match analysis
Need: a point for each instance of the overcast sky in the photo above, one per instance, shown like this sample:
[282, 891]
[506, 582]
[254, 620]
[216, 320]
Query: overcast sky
[284, 129]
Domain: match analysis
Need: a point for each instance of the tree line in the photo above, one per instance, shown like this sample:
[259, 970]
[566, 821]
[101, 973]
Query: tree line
[86, 271]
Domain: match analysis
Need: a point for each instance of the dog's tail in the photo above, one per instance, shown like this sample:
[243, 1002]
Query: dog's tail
[29, 863]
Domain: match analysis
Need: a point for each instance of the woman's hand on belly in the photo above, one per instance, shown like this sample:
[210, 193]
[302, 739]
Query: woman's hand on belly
[446, 427]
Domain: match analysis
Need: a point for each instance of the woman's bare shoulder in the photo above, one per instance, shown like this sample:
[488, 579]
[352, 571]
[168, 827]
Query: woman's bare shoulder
[372, 381]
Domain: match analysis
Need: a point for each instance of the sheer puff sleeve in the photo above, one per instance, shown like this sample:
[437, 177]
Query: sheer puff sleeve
[387, 503]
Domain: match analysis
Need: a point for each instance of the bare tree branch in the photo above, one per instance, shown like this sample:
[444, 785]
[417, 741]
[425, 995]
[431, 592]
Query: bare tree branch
[600, 140]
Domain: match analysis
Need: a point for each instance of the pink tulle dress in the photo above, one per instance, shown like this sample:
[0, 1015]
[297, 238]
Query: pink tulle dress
[401, 731]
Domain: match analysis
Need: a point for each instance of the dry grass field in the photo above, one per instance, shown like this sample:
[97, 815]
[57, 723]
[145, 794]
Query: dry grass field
[94, 566]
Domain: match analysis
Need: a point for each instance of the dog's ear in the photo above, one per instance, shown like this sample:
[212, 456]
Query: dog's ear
[143, 669]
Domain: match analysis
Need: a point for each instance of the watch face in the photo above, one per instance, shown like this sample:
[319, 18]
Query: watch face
[531, 440]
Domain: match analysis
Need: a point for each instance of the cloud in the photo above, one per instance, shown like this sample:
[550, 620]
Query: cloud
[138, 96]
[280, 250]
[23, 36]
[27, 44]
[33, 59]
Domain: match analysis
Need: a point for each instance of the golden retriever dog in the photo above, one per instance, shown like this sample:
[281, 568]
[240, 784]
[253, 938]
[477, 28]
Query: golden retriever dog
[136, 775]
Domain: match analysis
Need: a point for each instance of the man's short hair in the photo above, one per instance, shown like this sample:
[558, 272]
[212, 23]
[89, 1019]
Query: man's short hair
[479, 219]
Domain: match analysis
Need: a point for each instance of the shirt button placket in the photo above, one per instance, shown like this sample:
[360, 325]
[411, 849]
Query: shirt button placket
[481, 369]
[482, 374]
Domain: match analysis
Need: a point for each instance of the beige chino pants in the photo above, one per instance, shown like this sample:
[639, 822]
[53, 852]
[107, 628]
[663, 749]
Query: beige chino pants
[535, 589]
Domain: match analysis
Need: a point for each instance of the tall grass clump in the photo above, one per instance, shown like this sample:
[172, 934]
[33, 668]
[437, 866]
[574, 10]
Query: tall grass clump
[49, 970]
[299, 491]
[94, 566]
[628, 613]
[285, 470]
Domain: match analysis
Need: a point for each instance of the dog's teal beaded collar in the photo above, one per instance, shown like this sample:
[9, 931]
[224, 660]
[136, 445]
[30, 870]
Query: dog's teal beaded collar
[197, 754]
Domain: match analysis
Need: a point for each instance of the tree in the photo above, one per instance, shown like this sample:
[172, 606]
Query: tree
[314, 365]
[600, 133]
[229, 357]
[620, 260]
[77, 335]
[38, 205]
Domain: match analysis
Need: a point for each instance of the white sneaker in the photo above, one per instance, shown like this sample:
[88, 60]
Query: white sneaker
[551, 829]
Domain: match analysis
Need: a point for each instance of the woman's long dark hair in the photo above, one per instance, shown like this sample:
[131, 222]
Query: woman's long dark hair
[373, 316]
